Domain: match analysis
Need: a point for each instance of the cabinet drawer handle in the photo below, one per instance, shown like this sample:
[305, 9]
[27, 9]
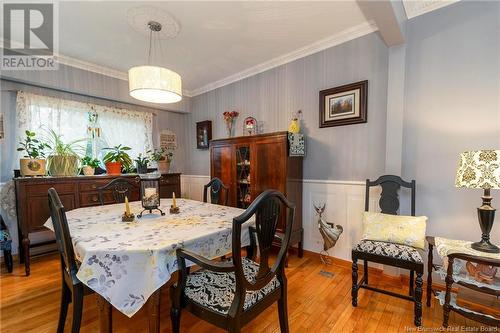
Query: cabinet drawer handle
[94, 186]
[94, 198]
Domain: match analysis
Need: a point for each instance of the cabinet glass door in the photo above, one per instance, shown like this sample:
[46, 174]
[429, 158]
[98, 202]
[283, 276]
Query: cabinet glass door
[243, 181]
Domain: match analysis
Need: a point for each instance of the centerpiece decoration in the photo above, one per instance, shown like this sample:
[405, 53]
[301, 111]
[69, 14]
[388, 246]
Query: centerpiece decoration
[230, 118]
[117, 159]
[33, 163]
[127, 215]
[89, 165]
[174, 209]
[63, 160]
[150, 193]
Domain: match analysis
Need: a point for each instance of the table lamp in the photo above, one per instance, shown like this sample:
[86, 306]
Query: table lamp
[481, 169]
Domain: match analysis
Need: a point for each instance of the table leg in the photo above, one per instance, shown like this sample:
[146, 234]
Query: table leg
[154, 312]
[105, 320]
[429, 275]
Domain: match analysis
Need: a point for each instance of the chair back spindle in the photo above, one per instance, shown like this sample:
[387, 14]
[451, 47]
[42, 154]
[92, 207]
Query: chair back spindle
[219, 193]
[266, 208]
[389, 197]
[120, 187]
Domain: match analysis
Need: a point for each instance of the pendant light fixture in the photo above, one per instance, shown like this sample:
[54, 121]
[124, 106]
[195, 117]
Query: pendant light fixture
[154, 84]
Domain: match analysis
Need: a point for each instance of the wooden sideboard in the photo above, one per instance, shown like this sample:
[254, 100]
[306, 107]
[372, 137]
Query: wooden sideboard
[249, 165]
[75, 192]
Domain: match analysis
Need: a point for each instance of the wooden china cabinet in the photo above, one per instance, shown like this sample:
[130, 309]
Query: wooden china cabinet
[249, 165]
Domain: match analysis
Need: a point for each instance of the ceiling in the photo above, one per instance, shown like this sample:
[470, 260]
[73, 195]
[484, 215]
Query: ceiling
[216, 39]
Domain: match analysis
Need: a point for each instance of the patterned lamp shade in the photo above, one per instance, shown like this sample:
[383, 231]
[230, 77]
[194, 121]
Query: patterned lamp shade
[479, 169]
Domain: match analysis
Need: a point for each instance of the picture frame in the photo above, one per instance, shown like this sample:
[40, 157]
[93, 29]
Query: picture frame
[343, 105]
[203, 134]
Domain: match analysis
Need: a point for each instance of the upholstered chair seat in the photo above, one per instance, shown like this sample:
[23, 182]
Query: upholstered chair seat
[391, 250]
[215, 290]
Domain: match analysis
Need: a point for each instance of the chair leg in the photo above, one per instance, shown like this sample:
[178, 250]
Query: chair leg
[77, 300]
[283, 312]
[418, 299]
[175, 310]
[354, 290]
[365, 270]
[63, 311]
[412, 278]
[7, 256]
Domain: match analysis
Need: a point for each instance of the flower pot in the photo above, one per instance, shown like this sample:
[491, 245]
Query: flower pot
[63, 165]
[32, 167]
[142, 168]
[88, 170]
[113, 168]
[163, 166]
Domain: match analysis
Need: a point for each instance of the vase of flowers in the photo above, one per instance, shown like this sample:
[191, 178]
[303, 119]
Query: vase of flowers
[230, 118]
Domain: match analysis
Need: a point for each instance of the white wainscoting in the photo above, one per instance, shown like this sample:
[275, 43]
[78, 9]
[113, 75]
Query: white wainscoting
[344, 205]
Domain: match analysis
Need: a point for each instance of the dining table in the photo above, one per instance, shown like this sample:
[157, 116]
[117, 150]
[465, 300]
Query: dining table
[126, 263]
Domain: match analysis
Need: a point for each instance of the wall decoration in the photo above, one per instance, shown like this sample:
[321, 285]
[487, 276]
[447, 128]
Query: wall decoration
[344, 105]
[297, 144]
[203, 134]
[168, 140]
[250, 126]
[1, 127]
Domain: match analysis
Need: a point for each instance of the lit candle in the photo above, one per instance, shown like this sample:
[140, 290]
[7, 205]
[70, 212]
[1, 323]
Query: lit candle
[173, 200]
[127, 207]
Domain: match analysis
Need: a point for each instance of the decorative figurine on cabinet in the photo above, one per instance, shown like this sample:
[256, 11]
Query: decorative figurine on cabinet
[250, 126]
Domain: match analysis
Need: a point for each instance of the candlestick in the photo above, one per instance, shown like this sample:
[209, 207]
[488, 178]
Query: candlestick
[174, 204]
[127, 207]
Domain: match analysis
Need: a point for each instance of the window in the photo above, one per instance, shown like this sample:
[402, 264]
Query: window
[73, 120]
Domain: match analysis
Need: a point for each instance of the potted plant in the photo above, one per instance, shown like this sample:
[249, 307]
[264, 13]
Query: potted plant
[162, 157]
[63, 160]
[89, 165]
[116, 159]
[34, 162]
[142, 164]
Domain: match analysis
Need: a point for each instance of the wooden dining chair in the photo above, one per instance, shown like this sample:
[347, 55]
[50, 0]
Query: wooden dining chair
[391, 254]
[218, 192]
[231, 294]
[73, 289]
[120, 187]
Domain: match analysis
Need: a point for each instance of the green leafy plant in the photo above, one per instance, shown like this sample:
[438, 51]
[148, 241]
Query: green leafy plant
[59, 148]
[91, 162]
[161, 154]
[118, 154]
[141, 160]
[33, 147]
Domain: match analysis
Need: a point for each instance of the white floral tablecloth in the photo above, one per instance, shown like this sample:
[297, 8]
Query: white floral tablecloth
[127, 262]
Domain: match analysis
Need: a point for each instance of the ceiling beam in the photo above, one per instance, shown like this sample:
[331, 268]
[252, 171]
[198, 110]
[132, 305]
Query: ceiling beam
[390, 18]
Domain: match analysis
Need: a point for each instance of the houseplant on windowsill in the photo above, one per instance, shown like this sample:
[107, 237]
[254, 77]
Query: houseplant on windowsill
[34, 162]
[116, 159]
[63, 160]
[162, 157]
[142, 164]
[89, 165]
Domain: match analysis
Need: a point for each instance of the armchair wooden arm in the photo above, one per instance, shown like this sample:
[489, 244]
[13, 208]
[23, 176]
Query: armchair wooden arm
[216, 266]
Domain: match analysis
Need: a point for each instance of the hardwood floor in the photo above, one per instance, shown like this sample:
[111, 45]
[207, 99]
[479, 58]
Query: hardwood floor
[317, 303]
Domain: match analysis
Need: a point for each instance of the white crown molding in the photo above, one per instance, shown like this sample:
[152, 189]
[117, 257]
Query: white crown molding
[415, 8]
[339, 38]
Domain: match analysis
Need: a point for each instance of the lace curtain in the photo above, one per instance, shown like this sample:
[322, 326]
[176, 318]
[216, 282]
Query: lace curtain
[71, 118]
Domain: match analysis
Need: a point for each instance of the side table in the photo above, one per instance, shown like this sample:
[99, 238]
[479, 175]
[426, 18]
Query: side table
[447, 306]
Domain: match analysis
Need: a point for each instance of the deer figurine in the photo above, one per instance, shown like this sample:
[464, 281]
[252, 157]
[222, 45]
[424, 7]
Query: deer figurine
[329, 231]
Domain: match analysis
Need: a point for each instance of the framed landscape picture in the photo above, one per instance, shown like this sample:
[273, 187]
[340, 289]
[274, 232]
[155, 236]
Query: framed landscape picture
[344, 105]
